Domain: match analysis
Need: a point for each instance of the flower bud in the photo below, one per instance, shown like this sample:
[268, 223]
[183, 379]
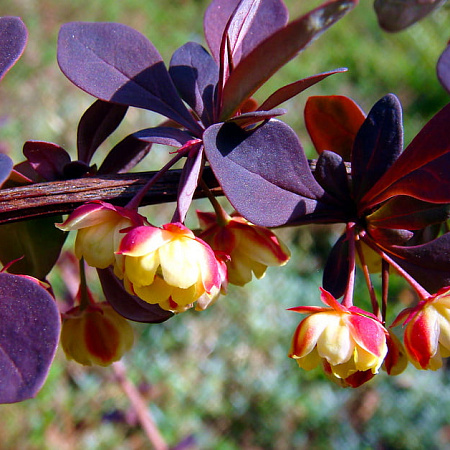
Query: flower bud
[169, 266]
[99, 225]
[95, 335]
[251, 248]
[345, 340]
[427, 330]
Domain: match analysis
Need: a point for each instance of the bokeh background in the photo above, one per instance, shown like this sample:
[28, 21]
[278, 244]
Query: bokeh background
[221, 379]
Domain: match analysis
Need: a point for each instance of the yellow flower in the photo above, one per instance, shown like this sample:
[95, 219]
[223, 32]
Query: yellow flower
[99, 225]
[96, 335]
[345, 340]
[251, 248]
[169, 266]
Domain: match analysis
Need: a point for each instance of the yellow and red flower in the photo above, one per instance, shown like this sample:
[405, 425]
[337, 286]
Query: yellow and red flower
[251, 248]
[95, 335]
[99, 225]
[169, 266]
[427, 330]
[348, 341]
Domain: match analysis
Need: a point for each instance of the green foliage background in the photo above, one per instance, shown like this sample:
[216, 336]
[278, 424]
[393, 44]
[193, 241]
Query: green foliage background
[221, 379]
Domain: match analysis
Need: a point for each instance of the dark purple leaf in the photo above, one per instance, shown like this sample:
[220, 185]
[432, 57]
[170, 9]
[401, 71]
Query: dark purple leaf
[13, 38]
[331, 173]
[188, 184]
[30, 325]
[270, 16]
[421, 171]
[164, 136]
[428, 263]
[291, 90]
[337, 268]
[115, 63]
[47, 159]
[129, 306]
[6, 166]
[274, 52]
[38, 241]
[377, 145]
[195, 75]
[265, 174]
[403, 212]
[443, 69]
[395, 15]
[125, 155]
[96, 124]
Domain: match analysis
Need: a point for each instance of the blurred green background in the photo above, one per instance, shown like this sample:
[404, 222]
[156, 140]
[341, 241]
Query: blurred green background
[220, 379]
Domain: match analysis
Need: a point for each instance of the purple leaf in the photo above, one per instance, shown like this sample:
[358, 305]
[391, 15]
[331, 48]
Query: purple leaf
[395, 15]
[38, 241]
[13, 38]
[47, 159]
[96, 124]
[6, 166]
[443, 69]
[291, 90]
[30, 324]
[127, 305]
[270, 16]
[274, 52]
[337, 268]
[428, 263]
[249, 118]
[265, 174]
[115, 63]
[195, 75]
[164, 136]
[377, 145]
[125, 155]
[188, 184]
[421, 171]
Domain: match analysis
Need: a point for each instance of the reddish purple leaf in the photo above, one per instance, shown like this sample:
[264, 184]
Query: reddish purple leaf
[270, 16]
[291, 90]
[96, 124]
[265, 174]
[377, 145]
[47, 159]
[395, 15]
[428, 263]
[13, 39]
[6, 166]
[333, 122]
[116, 63]
[164, 136]
[129, 306]
[274, 52]
[443, 69]
[424, 163]
[250, 118]
[195, 75]
[30, 325]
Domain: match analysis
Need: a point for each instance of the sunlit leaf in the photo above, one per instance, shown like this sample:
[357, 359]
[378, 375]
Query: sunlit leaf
[443, 68]
[6, 166]
[13, 39]
[30, 325]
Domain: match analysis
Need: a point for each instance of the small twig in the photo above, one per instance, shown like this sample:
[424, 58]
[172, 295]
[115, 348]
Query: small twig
[140, 407]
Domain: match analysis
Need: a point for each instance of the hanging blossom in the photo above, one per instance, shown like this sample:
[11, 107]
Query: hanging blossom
[251, 249]
[349, 342]
[169, 266]
[427, 330]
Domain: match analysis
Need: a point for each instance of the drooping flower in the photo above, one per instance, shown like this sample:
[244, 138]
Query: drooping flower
[95, 335]
[99, 225]
[347, 341]
[169, 266]
[251, 248]
[427, 330]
